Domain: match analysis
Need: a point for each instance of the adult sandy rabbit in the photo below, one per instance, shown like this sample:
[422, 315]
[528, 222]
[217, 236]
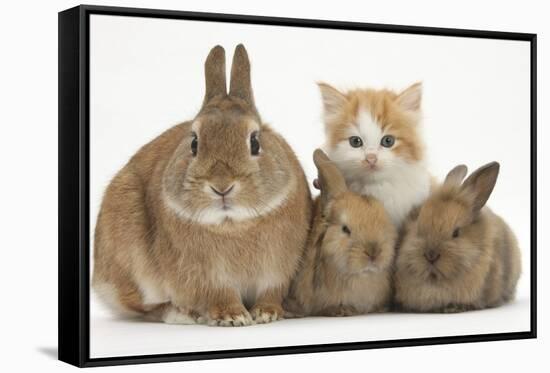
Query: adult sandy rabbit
[207, 222]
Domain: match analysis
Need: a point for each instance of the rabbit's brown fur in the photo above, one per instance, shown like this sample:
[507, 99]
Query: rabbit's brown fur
[170, 248]
[456, 254]
[346, 268]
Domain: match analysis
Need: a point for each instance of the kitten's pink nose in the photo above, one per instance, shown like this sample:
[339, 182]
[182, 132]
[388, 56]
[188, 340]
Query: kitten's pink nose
[371, 158]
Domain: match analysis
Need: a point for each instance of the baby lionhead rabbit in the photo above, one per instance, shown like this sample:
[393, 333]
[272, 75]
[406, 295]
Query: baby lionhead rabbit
[456, 254]
[207, 222]
[346, 269]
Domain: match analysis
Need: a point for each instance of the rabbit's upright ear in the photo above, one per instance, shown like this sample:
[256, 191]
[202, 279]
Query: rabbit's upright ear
[456, 175]
[480, 184]
[331, 181]
[214, 73]
[240, 85]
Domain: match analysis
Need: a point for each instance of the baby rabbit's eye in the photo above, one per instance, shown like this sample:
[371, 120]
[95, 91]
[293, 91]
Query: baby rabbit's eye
[254, 143]
[456, 233]
[346, 230]
[194, 144]
[387, 141]
[355, 142]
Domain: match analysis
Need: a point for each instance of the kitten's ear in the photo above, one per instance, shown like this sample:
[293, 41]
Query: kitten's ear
[333, 100]
[411, 98]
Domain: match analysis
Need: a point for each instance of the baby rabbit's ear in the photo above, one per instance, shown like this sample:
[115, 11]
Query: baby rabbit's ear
[480, 184]
[214, 73]
[240, 85]
[331, 181]
[456, 175]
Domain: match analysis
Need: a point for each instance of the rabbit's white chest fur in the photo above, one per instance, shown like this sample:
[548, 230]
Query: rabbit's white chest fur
[399, 190]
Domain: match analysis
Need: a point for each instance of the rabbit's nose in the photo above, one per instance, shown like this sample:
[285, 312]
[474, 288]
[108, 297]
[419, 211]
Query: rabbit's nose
[372, 251]
[431, 255]
[223, 192]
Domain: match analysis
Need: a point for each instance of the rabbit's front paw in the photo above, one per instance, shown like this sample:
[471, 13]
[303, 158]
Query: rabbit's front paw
[456, 308]
[175, 315]
[229, 315]
[347, 311]
[338, 311]
[266, 313]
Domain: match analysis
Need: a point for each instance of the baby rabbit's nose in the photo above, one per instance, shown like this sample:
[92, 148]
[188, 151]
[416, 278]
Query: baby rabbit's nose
[223, 192]
[431, 256]
[373, 251]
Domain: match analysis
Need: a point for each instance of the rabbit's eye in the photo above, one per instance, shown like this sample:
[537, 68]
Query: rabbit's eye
[456, 233]
[387, 141]
[346, 229]
[254, 143]
[194, 144]
[355, 142]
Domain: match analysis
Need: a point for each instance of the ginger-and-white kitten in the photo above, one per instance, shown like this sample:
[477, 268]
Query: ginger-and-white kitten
[373, 137]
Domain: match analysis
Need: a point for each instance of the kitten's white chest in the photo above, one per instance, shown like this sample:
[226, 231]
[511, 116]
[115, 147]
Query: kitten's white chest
[398, 193]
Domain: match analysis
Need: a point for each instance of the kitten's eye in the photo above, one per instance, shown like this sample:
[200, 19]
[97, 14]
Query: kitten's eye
[387, 141]
[194, 144]
[346, 230]
[456, 233]
[254, 143]
[355, 142]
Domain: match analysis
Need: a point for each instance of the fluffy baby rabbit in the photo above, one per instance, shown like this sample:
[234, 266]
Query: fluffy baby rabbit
[208, 221]
[346, 265]
[456, 254]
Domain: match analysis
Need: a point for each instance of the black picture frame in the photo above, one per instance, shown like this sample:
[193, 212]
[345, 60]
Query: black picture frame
[74, 194]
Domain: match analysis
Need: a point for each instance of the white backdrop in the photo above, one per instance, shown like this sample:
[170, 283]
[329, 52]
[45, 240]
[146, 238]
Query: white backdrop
[28, 153]
[146, 75]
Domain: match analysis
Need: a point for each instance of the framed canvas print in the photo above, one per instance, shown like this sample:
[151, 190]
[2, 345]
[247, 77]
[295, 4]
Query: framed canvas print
[235, 186]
